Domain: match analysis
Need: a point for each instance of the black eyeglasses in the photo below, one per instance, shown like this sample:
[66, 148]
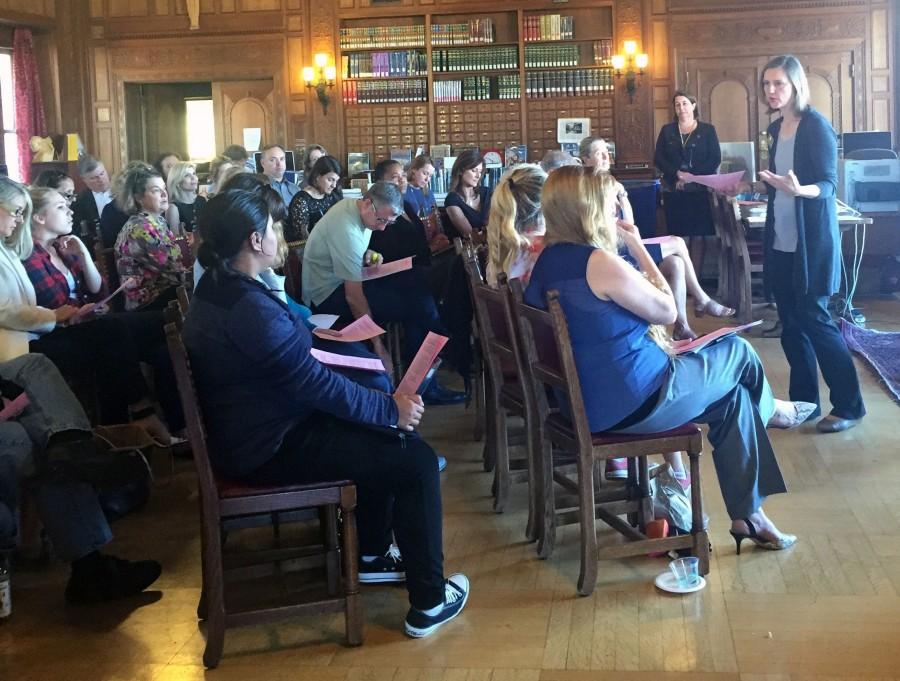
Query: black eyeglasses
[380, 221]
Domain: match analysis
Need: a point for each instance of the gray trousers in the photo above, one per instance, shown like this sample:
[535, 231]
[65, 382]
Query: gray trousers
[724, 385]
[70, 511]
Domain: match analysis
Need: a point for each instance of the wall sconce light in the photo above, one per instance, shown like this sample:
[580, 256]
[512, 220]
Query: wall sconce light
[631, 65]
[320, 77]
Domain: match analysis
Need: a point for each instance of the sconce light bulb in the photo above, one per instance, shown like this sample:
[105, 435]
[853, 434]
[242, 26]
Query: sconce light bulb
[618, 62]
[630, 47]
[330, 74]
[320, 60]
[641, 61]
[309, 74]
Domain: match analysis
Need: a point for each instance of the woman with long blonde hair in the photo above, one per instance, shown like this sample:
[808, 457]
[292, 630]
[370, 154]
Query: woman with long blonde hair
[516, 225]
[632, 385]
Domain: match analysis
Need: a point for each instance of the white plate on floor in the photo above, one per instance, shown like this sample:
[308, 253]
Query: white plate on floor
[667, 582]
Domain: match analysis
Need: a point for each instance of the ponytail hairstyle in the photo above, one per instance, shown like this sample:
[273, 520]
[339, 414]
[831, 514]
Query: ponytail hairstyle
[515, 205]
[578, 208]
[259, 183]
[225, 225]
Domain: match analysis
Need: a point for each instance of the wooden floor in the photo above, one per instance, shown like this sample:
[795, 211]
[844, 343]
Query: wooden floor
[829, 608]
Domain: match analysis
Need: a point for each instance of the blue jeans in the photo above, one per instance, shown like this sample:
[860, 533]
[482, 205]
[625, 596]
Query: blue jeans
[70, 511]
[725, 386]
[809, 336]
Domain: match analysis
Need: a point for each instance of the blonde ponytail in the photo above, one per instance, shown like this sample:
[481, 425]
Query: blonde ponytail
[515, 205]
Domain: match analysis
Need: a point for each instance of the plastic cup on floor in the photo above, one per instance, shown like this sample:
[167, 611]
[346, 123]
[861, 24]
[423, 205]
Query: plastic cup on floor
[686, 571]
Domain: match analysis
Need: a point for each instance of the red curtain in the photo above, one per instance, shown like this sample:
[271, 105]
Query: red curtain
[29, 105]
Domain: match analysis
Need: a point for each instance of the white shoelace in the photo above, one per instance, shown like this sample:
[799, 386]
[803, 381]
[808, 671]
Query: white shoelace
[452, 593]
[393, 553]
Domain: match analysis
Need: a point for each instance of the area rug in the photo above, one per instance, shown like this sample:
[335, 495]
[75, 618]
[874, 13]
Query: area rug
[880, 349]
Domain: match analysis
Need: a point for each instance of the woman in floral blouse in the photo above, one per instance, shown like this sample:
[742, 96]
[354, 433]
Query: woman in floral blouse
[146, 248]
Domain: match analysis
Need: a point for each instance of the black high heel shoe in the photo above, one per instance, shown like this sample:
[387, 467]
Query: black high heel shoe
[783, 542]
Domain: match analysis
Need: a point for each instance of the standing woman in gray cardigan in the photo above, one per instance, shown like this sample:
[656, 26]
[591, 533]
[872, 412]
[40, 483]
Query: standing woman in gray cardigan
[802, 243]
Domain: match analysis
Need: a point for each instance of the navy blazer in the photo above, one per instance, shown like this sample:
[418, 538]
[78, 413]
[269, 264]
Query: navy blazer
[701, 155]
[817, 260]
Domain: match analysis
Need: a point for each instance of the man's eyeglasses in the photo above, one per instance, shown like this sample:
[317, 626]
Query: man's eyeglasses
[378, 220]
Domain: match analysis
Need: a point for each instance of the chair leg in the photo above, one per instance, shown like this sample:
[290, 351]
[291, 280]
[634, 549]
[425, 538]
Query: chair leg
[501, 457]
[328, 521]
[701, 539]
[546, 501]
[353, 610]
[532, 527]
[489, 452]
[214, 592]
[587, 579]
[479, 388]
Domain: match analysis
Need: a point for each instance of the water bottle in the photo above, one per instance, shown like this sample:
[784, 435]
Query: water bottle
[5, 592]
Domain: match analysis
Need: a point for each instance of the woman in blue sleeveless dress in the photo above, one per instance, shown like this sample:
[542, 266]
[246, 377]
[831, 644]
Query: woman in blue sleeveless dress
[630, 381]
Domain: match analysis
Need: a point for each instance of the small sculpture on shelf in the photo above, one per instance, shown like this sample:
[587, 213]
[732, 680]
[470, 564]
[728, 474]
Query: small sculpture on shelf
[42, 148]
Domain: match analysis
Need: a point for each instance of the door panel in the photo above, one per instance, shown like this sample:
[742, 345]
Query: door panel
[243, 104]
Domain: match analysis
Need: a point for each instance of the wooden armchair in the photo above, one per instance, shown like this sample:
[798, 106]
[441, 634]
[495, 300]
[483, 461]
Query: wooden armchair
[736, 263]
[544, 337]
[505, 396]
[221, 500]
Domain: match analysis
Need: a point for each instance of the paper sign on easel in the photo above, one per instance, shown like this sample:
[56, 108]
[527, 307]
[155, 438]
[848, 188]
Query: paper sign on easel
[362, 329]
[421, 363]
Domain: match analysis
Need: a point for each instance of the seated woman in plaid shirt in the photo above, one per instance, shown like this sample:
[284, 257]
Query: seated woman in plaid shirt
[63, 275]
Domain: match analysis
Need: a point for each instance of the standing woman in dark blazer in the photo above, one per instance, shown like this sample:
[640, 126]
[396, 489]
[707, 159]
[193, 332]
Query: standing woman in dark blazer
[684, 148]
[802, 243]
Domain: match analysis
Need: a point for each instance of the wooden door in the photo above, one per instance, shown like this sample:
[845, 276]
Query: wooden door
[239, 104]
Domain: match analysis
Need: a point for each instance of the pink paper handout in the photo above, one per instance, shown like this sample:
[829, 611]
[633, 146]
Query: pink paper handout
[334, 360]
[421, 363]
[658, 240]
[362, 329]
[13, 407]
[378, 271]
[683, 346]
[720, 183]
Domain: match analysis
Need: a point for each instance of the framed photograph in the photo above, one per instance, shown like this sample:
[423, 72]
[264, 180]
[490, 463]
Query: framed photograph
[440, 151]
[515, 154]
[572, 129]
[401, 154]
[357, 162]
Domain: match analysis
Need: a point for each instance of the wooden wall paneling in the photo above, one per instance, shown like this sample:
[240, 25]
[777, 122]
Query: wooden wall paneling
[325, 129]
[634, 130]
[879, 71]
[660, 67]
[71, 38]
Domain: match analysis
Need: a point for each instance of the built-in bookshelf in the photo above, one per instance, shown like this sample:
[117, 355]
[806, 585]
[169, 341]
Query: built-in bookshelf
[475, 79]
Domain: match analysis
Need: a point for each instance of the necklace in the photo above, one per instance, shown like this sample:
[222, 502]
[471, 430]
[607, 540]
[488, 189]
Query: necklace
[686, 136]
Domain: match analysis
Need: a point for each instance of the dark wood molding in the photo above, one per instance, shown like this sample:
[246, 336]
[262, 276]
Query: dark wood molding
[36, 21]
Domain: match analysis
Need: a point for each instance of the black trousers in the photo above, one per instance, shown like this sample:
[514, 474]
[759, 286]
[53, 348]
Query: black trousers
[105, 349]
[402, 297]
[808, 336]
[398, 489]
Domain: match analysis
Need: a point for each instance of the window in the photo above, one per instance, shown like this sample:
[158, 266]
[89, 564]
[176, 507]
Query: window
[8, 107]
[201, 129]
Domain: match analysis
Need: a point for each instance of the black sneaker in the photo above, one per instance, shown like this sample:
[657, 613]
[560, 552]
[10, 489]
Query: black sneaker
[386, 568]
[108, 578]
[456, 593]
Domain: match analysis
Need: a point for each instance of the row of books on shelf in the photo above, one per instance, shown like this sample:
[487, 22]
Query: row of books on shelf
[382, 36]
[575, 83]
[384, 64]
[384, 91]
[538, 56]
[472, 32]
[475, 88]
[549, 27]
[603, 50]
[475, 58]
